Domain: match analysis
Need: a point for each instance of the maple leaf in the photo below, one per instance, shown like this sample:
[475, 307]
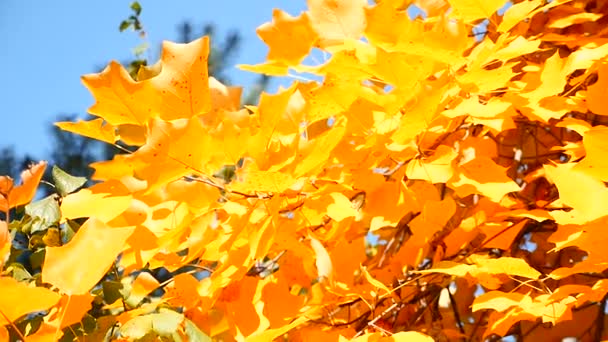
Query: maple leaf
[180, 90]
[472, 10]
[337, 20]
[182, 86]
[92, 129]
[287, 30]
[120, 100]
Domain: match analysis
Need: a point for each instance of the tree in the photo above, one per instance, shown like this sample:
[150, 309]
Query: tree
[435, 185]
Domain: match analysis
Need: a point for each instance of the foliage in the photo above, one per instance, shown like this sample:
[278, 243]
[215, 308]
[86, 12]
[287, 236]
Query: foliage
[436, 184]
[75, 153]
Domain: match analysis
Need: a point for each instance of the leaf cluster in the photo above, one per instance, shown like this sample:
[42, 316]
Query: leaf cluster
[421, 182]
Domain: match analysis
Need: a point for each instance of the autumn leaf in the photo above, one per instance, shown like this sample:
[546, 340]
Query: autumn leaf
[182, 86]
[323, 262]
[337, 20]
[77, 266]
[93, 129]
[505, 265]
[575, 189]
[12, 196]
[472, 10]
[120, 100]
[482, 175]
[287, 30]
[85, 203]
[13, 305]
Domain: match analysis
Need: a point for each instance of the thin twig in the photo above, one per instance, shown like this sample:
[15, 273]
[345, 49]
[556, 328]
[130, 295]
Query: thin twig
[455, 310]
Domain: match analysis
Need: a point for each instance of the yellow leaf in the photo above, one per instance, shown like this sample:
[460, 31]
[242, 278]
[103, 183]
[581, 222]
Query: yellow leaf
[413, 336]
[251, 181]
[337, 20]
[93, 129]
[378, 284]
[595, 163]
[319, 151]
[102, 206]
[473, 10]
[436, 169]
[181, 89]
[77, 266]
[573, 19]
[503, 265]
[499, 301]
[119, 99]
[403, 336]
[577, 189]
[341, 208]
[289, 39]
[323, 262]
[517, 13]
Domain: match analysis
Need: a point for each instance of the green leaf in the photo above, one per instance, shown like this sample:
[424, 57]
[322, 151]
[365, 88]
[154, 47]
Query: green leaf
[137, 328]
[69, 230]
[44, 213]
[124, 25]
[18, 271]
[136, 7]
[140, 49]
[111, 291]
[37, 258]
[194, 333]
[89, 323]
[66, 183]
[166, 322]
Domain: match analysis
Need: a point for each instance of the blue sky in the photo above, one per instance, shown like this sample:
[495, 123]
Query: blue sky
[48, 45]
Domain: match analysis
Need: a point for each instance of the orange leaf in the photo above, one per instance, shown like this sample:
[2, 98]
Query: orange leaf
[482, 175]
[144, 284]
[119, 99]
[14, 196]
[5, 242]
[182, 86]
[73, 308]
[77, 266]
[18, 299]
